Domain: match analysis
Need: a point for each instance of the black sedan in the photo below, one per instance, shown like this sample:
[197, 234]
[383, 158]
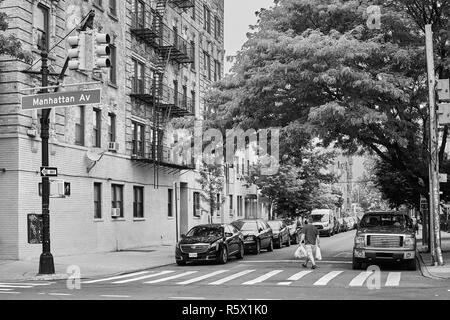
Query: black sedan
[257, 234]
[281, 233]
[213, 242]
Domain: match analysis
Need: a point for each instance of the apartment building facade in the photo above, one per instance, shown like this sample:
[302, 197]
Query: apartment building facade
[127, 188]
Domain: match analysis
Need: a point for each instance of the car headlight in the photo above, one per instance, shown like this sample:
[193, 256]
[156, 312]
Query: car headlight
[409, 242]
[360, 241]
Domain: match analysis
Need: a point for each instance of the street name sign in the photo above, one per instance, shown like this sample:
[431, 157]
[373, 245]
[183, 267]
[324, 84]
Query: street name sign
[443, 178]
[49, 172]
[61, 99]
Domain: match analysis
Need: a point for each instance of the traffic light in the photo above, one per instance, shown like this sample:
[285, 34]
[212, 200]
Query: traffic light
[77, 52]
[102, 51]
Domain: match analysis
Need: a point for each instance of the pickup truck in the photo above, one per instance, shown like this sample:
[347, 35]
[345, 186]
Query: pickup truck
[385, 236]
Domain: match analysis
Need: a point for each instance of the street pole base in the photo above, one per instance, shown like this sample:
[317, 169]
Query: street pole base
[46, 264]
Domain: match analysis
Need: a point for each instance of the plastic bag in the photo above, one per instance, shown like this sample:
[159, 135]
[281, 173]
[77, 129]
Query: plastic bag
[318, 253]
[300, 252]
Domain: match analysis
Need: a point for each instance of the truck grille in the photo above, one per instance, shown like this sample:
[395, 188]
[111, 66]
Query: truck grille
[384, 241]
[198, 248]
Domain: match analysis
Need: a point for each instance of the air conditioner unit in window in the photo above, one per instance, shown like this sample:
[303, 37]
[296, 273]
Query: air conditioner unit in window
[198, 212]
[115, 213]
[113, 146]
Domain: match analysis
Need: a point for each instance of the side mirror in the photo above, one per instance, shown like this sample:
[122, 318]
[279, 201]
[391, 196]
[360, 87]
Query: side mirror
[228, 235]
[260, 230]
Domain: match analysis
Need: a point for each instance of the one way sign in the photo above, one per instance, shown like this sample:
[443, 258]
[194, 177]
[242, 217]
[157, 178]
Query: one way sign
[49, 172]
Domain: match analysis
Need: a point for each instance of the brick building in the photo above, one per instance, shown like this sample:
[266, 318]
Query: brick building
[165, 56]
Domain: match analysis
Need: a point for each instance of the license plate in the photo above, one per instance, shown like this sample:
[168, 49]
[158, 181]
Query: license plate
[193, 255]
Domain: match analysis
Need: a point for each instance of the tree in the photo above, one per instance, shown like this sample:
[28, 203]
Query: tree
[10, 45]
[212, 182]
[316, 63]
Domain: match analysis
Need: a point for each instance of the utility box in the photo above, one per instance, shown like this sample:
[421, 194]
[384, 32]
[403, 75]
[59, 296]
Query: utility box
[444, 114]
[443, 89]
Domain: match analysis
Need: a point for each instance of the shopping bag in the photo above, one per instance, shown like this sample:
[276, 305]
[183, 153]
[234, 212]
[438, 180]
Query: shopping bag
[300, 252]
[318, 253]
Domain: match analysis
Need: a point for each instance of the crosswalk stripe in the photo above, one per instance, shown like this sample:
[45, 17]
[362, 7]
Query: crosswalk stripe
[26, 284]
[143, 277]
[209, 275]
[115, 278]
[5, 289]
[232, 277]
[299, 275]
[171, 277]
[263, 277]
[360, 279]
[327, 278]
[393, 279]
[14, 286]
[284, 283]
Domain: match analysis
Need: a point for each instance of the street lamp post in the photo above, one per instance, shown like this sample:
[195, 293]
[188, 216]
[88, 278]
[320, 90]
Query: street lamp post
[46, 264]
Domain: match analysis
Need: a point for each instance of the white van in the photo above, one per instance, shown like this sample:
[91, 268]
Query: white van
[323, 220]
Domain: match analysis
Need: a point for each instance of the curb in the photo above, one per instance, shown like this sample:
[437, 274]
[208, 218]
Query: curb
[424, 269]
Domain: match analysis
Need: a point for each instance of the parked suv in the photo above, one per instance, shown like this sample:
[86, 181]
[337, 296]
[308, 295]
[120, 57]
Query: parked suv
[280, 233]
[257, 234]
[323, 221]
[385, 236]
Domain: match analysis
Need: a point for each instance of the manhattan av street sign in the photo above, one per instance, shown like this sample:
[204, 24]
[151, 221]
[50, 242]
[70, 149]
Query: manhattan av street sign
[61, 99]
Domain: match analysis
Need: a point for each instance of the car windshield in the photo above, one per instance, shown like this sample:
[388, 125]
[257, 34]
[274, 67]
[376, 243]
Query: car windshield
[319, 217]
[206, 231]
[275, 225]
[386, 220]
[245, 225]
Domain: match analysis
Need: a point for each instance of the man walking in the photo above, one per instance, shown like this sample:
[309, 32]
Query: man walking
[310, 235]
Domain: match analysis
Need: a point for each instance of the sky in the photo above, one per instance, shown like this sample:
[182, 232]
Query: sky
[239, 14]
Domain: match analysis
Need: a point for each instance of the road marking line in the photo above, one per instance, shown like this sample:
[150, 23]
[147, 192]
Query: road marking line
[26, 284]
[327, 278]
[6, 289]
[114, 296]
[9, 292]
[115, 278]
[299, 275]
[229, 278]
[360, 279]
[188, 298]
[143, 277]
[210, 275]
[263, 277]
[15, 286]
[171, 277]
[297, 261]
[393, 279]
[284, 283]
[59, 294]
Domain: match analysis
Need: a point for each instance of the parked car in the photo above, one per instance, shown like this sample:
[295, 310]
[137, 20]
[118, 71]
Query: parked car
[385, 236]
[257, 234]
[295, 229]
[281, 233]
[351, 223]
[323, 221]
[213, 242]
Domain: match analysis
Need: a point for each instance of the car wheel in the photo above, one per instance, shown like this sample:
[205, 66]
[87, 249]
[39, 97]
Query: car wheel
[288, 242]
[258, 247]
[356, 265]
[270, 247]
[279, 244]
[240, 254]
[223, 258]
[181, 263]
[411, 265]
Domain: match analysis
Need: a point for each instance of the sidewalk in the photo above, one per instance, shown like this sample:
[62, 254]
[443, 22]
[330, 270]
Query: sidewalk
[91, 265]
[435, 272]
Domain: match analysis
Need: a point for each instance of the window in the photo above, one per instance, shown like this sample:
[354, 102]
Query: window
[139, 14]
[239, 206]
[98, 3]
[79, 125]
[197, 212]
[117, 198]
[184, 102]
[96, 128]
[112, 127]
[217, 28]
[170, 203]
[193, 55]
[248, 167]
[231, 205]
[97, 200]
[113, 7]
[138, 202]
[207, 65]
[175, 88]
[138, 75]
[193, 10]
[216, 70]
[218, 204]
[113, 68]
[42, 27]
[138, 138]
[207, 19]
[193, 97]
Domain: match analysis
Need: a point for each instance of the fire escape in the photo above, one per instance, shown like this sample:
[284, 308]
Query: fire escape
[148, 27]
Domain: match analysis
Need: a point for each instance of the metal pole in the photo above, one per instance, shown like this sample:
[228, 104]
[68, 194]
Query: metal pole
[46, 264]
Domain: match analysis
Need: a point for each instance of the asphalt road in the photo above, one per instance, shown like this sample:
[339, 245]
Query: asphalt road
[270, 275]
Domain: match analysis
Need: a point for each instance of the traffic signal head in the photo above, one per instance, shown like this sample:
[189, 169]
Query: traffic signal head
[77, 52]
[102, 51]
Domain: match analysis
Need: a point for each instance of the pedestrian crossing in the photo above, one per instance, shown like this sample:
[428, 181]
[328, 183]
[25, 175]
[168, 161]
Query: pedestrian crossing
[13, 287]
[254, 277]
